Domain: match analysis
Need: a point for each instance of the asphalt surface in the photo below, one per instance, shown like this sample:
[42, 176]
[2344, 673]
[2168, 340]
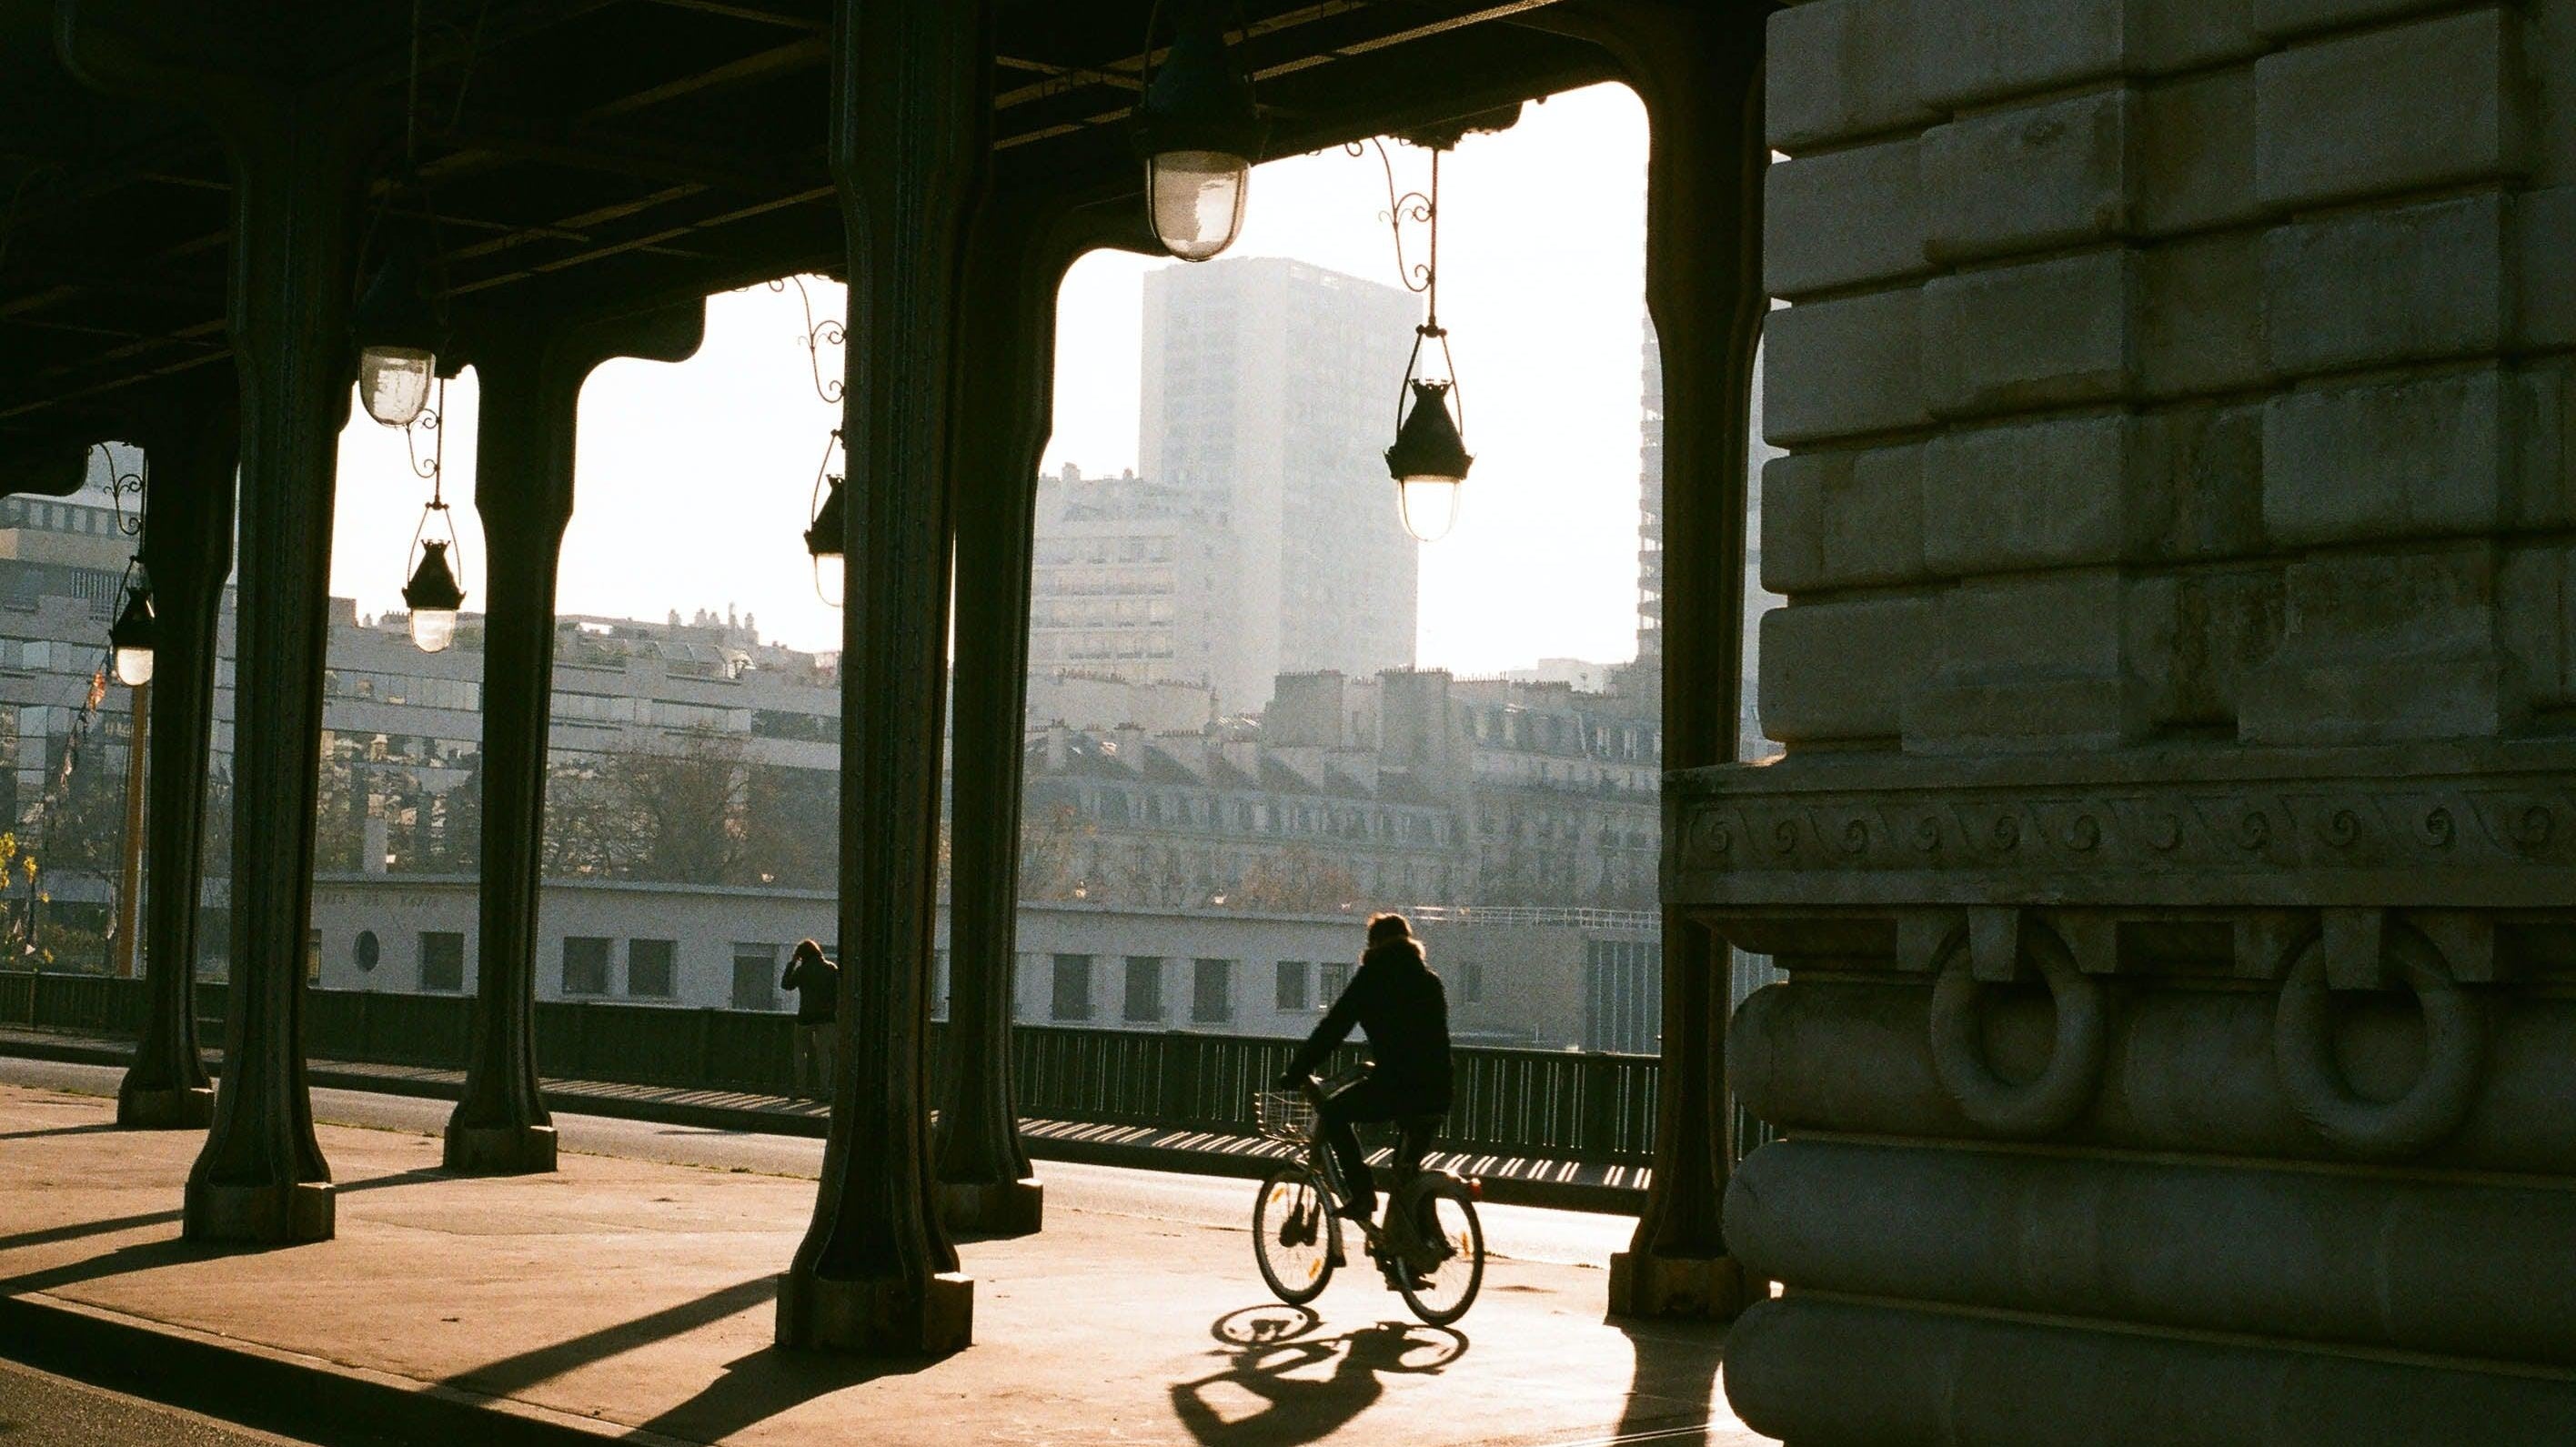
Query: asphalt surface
[39, 1409]
[1523, 1233]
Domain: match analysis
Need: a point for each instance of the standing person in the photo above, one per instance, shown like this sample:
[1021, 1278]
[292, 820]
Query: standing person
[817, 983]
[1402, 1006]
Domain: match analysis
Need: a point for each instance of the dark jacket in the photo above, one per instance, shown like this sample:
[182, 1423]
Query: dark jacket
[817, 983]
[1400, 1005]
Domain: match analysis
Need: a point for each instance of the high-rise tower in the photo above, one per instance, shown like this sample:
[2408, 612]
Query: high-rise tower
[1269, 396]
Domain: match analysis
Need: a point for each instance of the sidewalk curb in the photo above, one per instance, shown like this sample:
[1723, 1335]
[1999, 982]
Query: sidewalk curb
[260, 1387]
[1041, 1142]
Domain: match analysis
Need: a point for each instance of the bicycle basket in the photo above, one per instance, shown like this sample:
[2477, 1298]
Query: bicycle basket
[1284, 1115]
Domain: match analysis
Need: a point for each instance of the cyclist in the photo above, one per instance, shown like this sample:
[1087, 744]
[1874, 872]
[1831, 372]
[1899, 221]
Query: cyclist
[1399, 1003]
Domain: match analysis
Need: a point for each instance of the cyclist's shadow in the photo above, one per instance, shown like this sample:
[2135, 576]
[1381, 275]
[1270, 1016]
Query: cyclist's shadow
[1272, 1357]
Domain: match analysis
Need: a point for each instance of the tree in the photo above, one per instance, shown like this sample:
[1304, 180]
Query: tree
[687, 808]
[793, 835]
[1051, 836]
[84, 826]
[1296, 880]
[677, 814]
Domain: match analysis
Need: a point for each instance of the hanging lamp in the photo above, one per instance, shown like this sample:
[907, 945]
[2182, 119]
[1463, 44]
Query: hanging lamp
[1199, 133]
[826, 529]
[398, 333]
[136, 631]
[1429, 462]
[433, 596]
[432, 592]
[1429, 459]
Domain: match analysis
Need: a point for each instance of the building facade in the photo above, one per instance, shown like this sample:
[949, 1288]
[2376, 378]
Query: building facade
[1407, 787]
[1525, 978]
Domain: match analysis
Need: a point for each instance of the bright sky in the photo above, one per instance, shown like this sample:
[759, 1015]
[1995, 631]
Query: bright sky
[694, 479]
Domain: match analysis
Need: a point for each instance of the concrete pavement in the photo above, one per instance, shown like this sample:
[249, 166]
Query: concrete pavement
[636, 1297]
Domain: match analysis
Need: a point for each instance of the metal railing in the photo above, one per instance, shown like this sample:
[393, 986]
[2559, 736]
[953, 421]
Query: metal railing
[1533, 1103]
[1550, 916]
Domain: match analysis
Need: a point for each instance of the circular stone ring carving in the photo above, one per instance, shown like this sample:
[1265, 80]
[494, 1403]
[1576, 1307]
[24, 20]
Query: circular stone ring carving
[2063, 1090]
[2454, 1052]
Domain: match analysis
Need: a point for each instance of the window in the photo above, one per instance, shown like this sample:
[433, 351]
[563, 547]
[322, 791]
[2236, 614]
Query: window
[368, 951]
[1472, 982]
[1336, 977]
[1072, 988]
[1212, 992]
[649, 968]
[1292, 986]
[313, 957]
[442, 960]
[585, 965]
[1144, 989]
[755, 977]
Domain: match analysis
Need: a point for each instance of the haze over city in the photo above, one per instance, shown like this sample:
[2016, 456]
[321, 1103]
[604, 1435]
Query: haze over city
[694, 479]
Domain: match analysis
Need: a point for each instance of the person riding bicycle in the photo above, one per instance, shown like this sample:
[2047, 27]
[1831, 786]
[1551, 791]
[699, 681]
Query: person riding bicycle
[1400, 1004]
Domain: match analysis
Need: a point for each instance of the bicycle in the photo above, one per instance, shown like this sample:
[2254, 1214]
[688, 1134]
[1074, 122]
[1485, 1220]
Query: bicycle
[1431, 1246]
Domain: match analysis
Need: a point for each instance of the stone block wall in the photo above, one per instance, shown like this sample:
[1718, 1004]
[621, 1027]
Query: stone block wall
[2175, 852]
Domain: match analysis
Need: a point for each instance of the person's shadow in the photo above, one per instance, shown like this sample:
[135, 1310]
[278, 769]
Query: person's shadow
[1267, 1343]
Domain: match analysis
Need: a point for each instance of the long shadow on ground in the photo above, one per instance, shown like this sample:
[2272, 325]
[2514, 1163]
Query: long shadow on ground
[1265, 1344]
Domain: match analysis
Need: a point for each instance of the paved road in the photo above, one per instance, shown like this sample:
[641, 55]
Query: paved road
[1526, 1233]
[39, 1409]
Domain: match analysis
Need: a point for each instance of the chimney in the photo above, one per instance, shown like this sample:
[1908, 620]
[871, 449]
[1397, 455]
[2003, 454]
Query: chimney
[1305, 711]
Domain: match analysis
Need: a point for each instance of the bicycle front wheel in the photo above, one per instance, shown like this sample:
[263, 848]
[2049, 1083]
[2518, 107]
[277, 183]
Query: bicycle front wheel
[1295, 1234]
[1446, 1262]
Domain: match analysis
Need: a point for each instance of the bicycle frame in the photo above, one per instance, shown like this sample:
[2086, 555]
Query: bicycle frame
[1337, 1188]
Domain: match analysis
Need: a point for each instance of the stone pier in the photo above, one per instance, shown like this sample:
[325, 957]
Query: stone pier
[2175, 855]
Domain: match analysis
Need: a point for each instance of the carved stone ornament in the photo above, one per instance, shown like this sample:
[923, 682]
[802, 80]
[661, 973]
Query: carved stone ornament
[2496, 827]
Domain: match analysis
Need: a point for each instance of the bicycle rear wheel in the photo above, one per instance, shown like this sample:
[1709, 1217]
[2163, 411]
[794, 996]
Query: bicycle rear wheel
[1446, 1263]
[1295, 1234]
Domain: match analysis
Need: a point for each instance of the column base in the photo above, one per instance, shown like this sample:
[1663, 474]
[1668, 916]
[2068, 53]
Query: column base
[260, 1215]
[499, 1150]
[992, 1208]
[877, 1318]
[1646, 1285]
[181, 1108]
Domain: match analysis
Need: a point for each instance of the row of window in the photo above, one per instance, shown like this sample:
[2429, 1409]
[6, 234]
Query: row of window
[663, 713]
[1173, 809]
[1089, 646]
[1146, 549]
[461, 694]
[1517, 728]
[589, 969]
[1137, 581]
[57, 517]
[1211, 990]
[1297, 985]
[1100, 612]
[37, 654]
[588, 966]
